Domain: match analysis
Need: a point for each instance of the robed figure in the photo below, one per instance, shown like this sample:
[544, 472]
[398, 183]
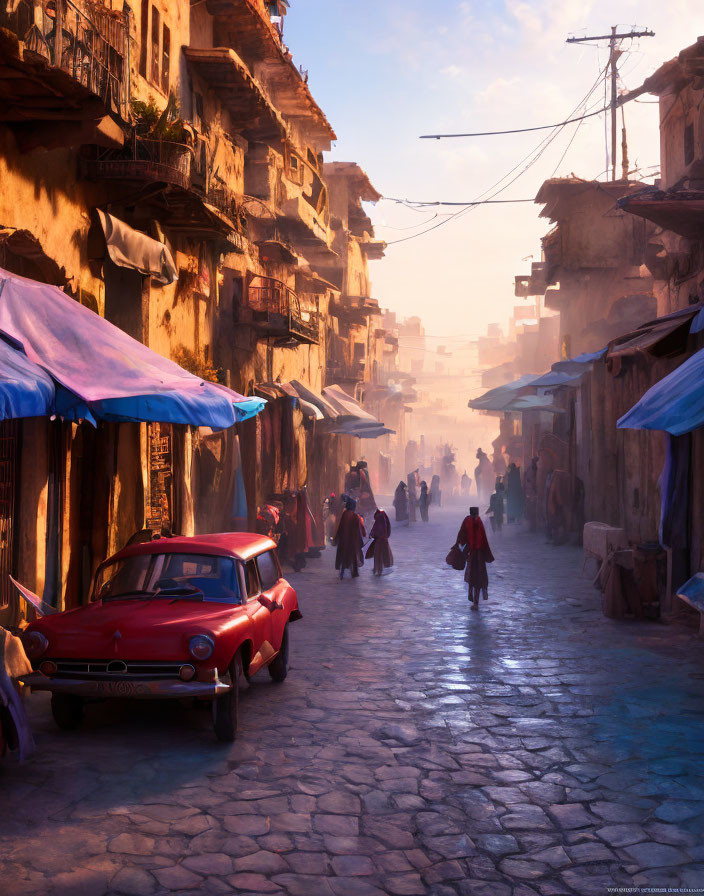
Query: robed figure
[515, 499]
[472, 537]
[401, 503]
[380, 549]
[349, 539]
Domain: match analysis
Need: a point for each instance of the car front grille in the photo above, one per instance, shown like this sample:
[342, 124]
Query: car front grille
[113, 669]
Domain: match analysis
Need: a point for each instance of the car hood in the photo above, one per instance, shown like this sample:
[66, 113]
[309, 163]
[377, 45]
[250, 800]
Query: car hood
[157, 628]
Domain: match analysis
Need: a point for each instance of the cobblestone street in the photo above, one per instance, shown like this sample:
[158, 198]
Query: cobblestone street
[534, 747]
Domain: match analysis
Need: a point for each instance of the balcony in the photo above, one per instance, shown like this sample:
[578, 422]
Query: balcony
[355, 309]
[275, 312]
[142, 161]
[251, 112]
[81, 76]
[167, 177]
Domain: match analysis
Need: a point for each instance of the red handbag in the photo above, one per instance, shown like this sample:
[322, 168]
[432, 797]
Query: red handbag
[456, 558]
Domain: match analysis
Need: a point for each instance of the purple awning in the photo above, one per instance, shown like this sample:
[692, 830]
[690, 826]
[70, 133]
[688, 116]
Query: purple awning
[103, 372]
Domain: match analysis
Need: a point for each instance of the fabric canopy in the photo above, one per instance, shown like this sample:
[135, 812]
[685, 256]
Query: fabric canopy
[353, 420]
[564, 372]
[675, 404]
[326, 409]
[102, 372]
[663, 336]
[534, 403]
[130, 248]
[25, 389]
[309, 410]
[497, 399]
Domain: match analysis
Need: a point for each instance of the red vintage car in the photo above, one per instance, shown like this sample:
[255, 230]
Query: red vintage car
[176, 617]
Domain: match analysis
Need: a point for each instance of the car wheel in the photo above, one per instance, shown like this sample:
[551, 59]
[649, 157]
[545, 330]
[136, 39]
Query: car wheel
[67, 710]
[278, 669]
[226, 707]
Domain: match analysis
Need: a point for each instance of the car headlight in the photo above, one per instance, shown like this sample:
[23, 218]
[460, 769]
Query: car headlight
[201, 647]
[35, 643]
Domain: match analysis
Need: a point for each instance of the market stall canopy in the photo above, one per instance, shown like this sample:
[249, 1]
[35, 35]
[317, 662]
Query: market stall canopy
[25, 389]
[272, 391]
[675, 404]
[663, 337]
[543, 403]
[327, 410]
[130, 248]
[564, 372]
[353, 420]
[497, 399]
[309, 410]
[102, 373]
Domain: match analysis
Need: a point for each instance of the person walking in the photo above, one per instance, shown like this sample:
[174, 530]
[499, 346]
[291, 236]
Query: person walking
[483, 475]
[412, 480]
[380, 549]
[435, 492]
[515, 500]
[472, 537]
[401, 503]
[465, 484]
[496, 506]
[530, 485]
[424, 501]
[349, 540]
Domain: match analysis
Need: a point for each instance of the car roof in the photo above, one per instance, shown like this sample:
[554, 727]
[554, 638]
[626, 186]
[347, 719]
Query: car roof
[242, 545]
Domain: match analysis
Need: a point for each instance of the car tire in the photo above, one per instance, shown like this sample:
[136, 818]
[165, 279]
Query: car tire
[67, 710]
[226, 707]
[278, 668]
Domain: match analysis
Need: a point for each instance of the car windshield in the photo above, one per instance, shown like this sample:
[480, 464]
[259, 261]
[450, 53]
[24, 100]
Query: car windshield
[174, 576]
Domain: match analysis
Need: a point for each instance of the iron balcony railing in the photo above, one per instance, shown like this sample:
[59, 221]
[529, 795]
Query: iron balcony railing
[268, 296]
[83, 38]
[143, 159]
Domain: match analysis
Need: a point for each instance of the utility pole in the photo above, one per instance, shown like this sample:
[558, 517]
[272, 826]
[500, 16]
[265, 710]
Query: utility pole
[614, 54]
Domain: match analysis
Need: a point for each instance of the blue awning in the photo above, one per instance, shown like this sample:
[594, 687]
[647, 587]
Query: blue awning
[100, 371]
[675, 404]
[497, 399]
[25, 389]
[564, 372]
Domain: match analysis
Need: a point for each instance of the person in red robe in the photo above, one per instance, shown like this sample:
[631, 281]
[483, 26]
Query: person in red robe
[379, 549]
[472, 537]
[349, 540]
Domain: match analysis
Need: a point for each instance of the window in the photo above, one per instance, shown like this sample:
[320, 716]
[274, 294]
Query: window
[251, 579]
[165, 59]
[144, 38]
[170, 575]
[156, 23]
[269, 570]
[689, 144]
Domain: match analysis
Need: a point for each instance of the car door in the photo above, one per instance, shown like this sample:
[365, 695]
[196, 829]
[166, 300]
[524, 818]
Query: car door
[260, 619]
[274, 589]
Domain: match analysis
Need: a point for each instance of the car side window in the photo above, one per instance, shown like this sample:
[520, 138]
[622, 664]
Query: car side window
[269, 570]
[251, 579]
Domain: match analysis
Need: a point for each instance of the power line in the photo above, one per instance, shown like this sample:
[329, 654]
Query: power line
[533, 156]
[541, 127]
[464, 204]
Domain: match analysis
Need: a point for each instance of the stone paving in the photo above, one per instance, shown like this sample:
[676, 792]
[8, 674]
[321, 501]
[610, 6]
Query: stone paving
[416, 747]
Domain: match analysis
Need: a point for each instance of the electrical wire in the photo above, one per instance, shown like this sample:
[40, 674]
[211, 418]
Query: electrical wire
[463, 204]
[534, 155]
[541, 127]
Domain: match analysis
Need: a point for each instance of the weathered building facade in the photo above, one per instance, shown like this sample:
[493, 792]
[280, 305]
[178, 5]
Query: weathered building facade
[163, 165]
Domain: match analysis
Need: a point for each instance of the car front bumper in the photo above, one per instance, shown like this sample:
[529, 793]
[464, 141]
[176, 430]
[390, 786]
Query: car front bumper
[143, 689]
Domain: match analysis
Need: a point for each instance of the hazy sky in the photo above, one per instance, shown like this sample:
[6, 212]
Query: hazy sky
[387, 71]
